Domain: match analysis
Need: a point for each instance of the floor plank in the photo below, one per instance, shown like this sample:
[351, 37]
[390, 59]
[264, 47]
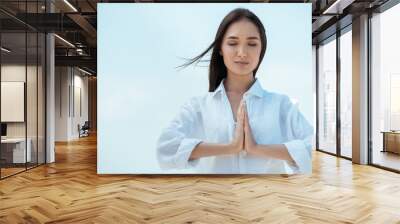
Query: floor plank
[70, 191]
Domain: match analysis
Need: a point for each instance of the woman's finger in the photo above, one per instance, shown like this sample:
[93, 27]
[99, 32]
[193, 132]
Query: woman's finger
[241, 108]
[242, 115]
[246, 120]
[244, 110]
[240, 112]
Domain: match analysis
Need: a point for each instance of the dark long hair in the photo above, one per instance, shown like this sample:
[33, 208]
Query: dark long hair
[217, 69]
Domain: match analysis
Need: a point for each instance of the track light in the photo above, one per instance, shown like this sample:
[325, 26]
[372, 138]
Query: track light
[337, 7]
[84, 71]
[5, 50]
[64, 40]
[70, 5]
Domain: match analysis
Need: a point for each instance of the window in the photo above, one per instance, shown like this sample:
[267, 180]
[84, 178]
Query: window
[385, 85]
[346, 93]
[22, 68]
[327, 96]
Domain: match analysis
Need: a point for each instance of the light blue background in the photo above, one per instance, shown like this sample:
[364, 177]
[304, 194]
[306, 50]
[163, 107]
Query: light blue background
[140, 90]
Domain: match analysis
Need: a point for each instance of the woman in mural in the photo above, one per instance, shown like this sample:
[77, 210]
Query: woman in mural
[237, 127]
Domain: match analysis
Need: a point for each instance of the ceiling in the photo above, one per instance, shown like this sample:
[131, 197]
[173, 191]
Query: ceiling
[76, 22]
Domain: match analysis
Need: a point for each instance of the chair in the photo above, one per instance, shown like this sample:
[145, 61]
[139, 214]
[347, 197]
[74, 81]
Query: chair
[84, 130]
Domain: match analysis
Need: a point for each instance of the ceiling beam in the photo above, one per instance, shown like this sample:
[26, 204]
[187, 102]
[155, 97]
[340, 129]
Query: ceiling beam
[83, 61]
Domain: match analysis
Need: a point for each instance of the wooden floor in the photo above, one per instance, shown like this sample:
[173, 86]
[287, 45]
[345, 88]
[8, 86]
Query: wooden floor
[387, 159]
[5, 172]
[70, 191]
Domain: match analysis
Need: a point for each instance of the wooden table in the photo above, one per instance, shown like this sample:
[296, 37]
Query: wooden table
[391, 141]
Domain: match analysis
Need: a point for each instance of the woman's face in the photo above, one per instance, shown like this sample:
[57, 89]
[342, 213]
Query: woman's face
[241, 48]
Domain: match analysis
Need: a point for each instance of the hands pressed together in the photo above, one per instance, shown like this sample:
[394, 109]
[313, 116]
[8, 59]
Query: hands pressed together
[243, 141]
[243, 138]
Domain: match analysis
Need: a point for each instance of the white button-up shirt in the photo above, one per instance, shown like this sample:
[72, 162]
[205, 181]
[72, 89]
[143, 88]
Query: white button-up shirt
[273, 120]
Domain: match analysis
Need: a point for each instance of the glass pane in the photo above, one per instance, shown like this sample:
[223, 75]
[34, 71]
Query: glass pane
[41, 98]
[14, 153]
[346, 94]
[327, 96]
[31, 100]
[386, 89]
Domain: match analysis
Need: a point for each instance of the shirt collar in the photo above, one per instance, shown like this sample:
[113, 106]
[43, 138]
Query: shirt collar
[256, 89]
[220, 88]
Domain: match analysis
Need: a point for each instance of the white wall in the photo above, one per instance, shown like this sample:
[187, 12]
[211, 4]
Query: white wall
[70, 83]
[17, 73]
[80, 83]
[12, 73]
[61, 103]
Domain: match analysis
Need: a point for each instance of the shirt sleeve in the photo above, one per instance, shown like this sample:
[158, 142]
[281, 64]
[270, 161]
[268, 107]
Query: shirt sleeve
[180, 137]
[299, 136]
